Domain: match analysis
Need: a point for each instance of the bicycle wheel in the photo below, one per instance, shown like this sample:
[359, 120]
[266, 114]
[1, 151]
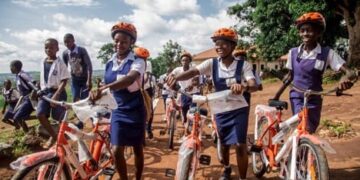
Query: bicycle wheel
[183, 171]
[105, 157]
[43, 170]
[311, 162]
[172, 130]
[258, 159]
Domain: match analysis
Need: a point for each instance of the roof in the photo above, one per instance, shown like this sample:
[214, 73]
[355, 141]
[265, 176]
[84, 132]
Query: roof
[207, 54]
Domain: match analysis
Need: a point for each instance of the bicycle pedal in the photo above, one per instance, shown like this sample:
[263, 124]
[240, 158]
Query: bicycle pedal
[170, 172]
[207, 137]
[205, 159]
[162, 132]
[109, 171]
[256, 148]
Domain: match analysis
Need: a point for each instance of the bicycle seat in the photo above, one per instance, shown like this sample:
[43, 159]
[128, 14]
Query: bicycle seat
[278, 104]
[203, 111]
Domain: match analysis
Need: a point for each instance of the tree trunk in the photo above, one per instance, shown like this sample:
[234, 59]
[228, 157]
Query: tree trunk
[353, 26]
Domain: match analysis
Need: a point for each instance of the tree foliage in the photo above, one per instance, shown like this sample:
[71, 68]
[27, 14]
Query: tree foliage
[169, 57]
[105, 52]
[269, 24]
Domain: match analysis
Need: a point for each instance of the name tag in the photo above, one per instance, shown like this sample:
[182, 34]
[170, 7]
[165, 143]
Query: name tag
[319, 65]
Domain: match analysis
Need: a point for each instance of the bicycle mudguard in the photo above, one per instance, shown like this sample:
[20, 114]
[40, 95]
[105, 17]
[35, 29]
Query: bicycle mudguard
[32, 159]
[325, 145]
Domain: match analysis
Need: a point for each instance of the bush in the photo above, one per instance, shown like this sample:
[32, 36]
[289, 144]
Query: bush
[331, 76]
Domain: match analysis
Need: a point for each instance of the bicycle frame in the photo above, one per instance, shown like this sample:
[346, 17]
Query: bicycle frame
[273, 152]
[171, 107]
[67, 155]
[90, 167]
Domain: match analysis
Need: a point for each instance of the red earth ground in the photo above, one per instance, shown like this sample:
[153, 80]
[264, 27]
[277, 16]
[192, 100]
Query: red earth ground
[343, 165]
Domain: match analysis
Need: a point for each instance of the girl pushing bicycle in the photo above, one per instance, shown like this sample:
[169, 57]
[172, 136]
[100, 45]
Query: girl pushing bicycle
[123, 74]
[307, 64]
[227, 72]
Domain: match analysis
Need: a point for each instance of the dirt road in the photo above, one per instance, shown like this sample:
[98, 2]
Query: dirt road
[344, 165]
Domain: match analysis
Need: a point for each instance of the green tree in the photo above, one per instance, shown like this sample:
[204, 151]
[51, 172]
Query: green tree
[168, 57]
[105, 52]
[270, 24]
[350, 11]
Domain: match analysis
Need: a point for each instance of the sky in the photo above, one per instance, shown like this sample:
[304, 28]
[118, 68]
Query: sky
[26, 24]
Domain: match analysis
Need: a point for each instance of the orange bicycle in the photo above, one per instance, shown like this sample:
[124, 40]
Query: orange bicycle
[61, 162]
[287, 144]
[171, 109]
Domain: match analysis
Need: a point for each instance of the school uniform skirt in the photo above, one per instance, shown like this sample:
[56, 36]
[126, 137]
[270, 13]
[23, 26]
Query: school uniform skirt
[232, 126]
[128, 127]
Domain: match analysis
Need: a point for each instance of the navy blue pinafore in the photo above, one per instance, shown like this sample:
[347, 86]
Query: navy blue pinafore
[306, 76]
[128, 120]
[232, 125]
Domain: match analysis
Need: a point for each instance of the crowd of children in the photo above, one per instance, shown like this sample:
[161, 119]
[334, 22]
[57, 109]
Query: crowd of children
[128, 71]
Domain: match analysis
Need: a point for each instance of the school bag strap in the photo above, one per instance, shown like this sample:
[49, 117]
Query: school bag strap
[25, 82]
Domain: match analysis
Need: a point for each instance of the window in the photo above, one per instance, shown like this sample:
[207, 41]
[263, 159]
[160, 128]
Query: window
[254, 67]
[276, 67]
[262, 67]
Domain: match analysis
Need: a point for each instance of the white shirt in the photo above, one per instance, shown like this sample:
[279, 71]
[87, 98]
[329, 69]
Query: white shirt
[333, 59]
[164, 91]
[183, 84]
[226, 72]
[148, 66]
[147, 83]
[15, 95]
[58, 72]
[138, 65]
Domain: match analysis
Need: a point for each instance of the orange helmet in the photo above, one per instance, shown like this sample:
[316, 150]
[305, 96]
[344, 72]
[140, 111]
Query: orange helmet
[311, 17]
[225, 33]
[141, 52]
[184, 53]
[239, 52]
[124, 27]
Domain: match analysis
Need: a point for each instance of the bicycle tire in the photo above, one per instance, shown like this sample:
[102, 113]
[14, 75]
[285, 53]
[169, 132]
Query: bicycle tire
[260, 171]
[104, 157]
[184, 173]
[24, 173]
[172, 130]
[321, 160]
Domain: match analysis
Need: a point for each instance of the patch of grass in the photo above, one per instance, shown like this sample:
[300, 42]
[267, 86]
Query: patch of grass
[336, 128]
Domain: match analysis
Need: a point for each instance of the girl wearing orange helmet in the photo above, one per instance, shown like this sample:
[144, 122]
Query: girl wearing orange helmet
[307, 64]
[227, 72]
[123, 73]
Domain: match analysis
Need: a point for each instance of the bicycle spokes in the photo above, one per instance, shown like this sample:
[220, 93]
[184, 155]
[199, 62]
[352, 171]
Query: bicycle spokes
[306, 164]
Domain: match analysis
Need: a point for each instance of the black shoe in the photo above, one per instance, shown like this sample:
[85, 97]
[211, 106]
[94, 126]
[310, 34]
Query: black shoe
[150, 135]
[226, 174]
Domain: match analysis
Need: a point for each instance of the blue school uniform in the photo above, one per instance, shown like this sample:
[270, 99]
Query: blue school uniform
[128, 120]
[231, 125]
[25, 108]
[44, 107]
[8, 97]
[306, 76]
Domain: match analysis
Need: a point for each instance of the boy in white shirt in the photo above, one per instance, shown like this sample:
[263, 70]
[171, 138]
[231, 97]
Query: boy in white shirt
[53, 78]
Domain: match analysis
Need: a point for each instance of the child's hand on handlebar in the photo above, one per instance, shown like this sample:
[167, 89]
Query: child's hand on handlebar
[236, 88]
[95, 94]
[345, 84]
